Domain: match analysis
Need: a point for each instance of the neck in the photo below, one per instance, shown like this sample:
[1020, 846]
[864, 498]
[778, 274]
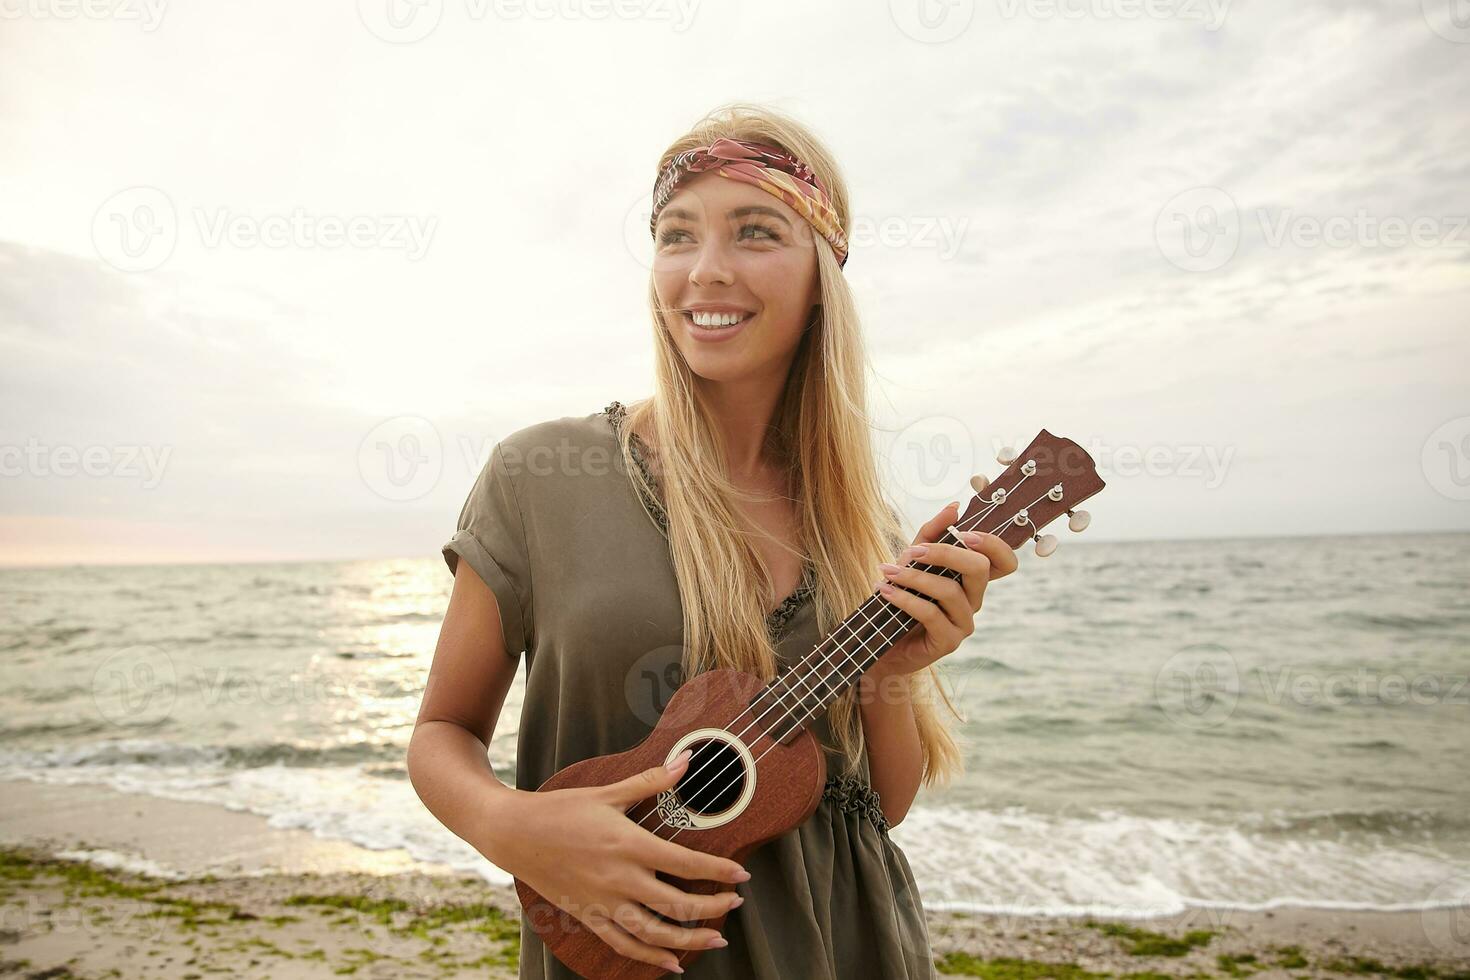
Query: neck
[744, 412]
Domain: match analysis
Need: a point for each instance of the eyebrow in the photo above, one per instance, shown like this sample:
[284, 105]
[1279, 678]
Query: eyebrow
[734, 213]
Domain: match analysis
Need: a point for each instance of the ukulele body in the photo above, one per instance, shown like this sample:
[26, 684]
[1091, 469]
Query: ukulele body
[740, 789]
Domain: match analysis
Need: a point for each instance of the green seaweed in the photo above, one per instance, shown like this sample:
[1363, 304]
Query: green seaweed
[1010, 968]
[1237, 964]
[1142, 942]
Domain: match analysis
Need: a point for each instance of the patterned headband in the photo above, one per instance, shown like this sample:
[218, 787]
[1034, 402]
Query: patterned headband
[767, 167]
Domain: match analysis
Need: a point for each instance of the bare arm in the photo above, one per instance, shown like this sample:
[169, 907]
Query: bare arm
[576, 847]
[467, 685]
[895, 755]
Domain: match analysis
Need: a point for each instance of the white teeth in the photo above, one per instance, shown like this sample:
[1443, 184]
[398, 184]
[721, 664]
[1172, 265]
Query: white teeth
[716, 319]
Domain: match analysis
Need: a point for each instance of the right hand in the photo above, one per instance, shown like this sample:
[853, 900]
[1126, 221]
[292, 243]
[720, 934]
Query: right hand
[579, 850]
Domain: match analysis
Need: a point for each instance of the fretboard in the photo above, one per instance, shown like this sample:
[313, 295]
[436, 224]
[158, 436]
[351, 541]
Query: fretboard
[804, 693]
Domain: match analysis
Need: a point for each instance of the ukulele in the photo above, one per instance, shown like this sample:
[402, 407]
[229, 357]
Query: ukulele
[757, 771]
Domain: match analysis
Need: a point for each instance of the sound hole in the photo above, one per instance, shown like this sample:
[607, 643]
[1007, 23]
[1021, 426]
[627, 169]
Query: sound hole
[714, 780]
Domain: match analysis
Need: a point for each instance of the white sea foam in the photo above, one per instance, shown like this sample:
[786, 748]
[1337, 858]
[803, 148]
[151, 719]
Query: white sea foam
[1002, 862]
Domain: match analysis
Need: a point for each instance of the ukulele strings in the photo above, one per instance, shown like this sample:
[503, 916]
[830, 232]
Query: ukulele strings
[894, 614]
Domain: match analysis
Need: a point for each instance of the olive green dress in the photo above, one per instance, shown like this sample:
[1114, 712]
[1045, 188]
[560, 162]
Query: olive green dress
[580, 567]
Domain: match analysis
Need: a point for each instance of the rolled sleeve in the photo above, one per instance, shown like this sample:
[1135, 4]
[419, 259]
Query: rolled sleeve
[491, 537]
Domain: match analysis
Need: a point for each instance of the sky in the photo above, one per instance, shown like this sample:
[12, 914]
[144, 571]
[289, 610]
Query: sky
[275, 276]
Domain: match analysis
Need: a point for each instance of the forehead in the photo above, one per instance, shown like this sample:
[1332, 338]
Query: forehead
[709, 194]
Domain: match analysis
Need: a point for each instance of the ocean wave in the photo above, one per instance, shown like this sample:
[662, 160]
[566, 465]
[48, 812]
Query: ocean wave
[90, 726]
[1395, 622]
[135, 752]
[1011, 861]
[1425, 824]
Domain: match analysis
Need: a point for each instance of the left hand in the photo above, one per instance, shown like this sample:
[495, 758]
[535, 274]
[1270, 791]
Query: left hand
[946, 610]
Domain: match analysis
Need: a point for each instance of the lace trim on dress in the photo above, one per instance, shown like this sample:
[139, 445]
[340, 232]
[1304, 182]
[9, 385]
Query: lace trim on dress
[855, 796]
[778, 617]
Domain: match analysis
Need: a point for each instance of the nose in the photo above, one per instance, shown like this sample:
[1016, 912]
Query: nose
[711, 264]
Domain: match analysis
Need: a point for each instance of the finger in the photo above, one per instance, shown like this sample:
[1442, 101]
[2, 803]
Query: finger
[950, 594]
[631, 946]
[927, 613]
[675, 903]
[1003, 560]
[972, 562]
[934, 530]
[644, 925]
[642, 785]
[690, 864]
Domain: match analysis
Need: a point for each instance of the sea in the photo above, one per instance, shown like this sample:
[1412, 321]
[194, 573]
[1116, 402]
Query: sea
[1148, 727]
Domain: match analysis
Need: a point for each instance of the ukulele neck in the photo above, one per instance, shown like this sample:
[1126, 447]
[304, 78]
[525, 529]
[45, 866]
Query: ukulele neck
[1047, 479]
[804, 693]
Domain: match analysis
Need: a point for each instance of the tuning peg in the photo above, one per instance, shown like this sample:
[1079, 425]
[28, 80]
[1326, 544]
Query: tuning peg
[979, 482]
[1045, 544]
[1078, 520]
[1006, 456]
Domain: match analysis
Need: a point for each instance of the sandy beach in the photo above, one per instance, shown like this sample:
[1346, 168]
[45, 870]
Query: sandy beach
[92, 887]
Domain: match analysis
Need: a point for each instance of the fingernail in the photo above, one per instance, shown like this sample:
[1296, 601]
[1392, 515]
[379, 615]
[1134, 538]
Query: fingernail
[885, 587]
[974, 537]
[739, 899]
[742, 875]
[718, 941]
[889, 568]
[913, 551]
[676, 763]
[953, 503]
[673, 965]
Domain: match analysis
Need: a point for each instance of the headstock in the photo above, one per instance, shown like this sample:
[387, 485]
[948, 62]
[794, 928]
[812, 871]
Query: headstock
[1049, 478]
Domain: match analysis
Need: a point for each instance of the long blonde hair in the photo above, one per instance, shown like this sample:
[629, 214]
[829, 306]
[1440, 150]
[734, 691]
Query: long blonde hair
[822, 435]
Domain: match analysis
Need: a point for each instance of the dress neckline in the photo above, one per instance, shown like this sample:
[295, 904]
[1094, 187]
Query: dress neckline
[777, 619]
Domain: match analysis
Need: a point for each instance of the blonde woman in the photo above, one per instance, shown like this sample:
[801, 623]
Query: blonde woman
[731, 520]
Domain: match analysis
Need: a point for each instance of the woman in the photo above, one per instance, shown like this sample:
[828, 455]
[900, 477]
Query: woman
[730, 521]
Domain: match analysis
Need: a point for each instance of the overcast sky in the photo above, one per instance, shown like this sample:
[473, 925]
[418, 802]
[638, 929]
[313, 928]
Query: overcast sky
[257, 257]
